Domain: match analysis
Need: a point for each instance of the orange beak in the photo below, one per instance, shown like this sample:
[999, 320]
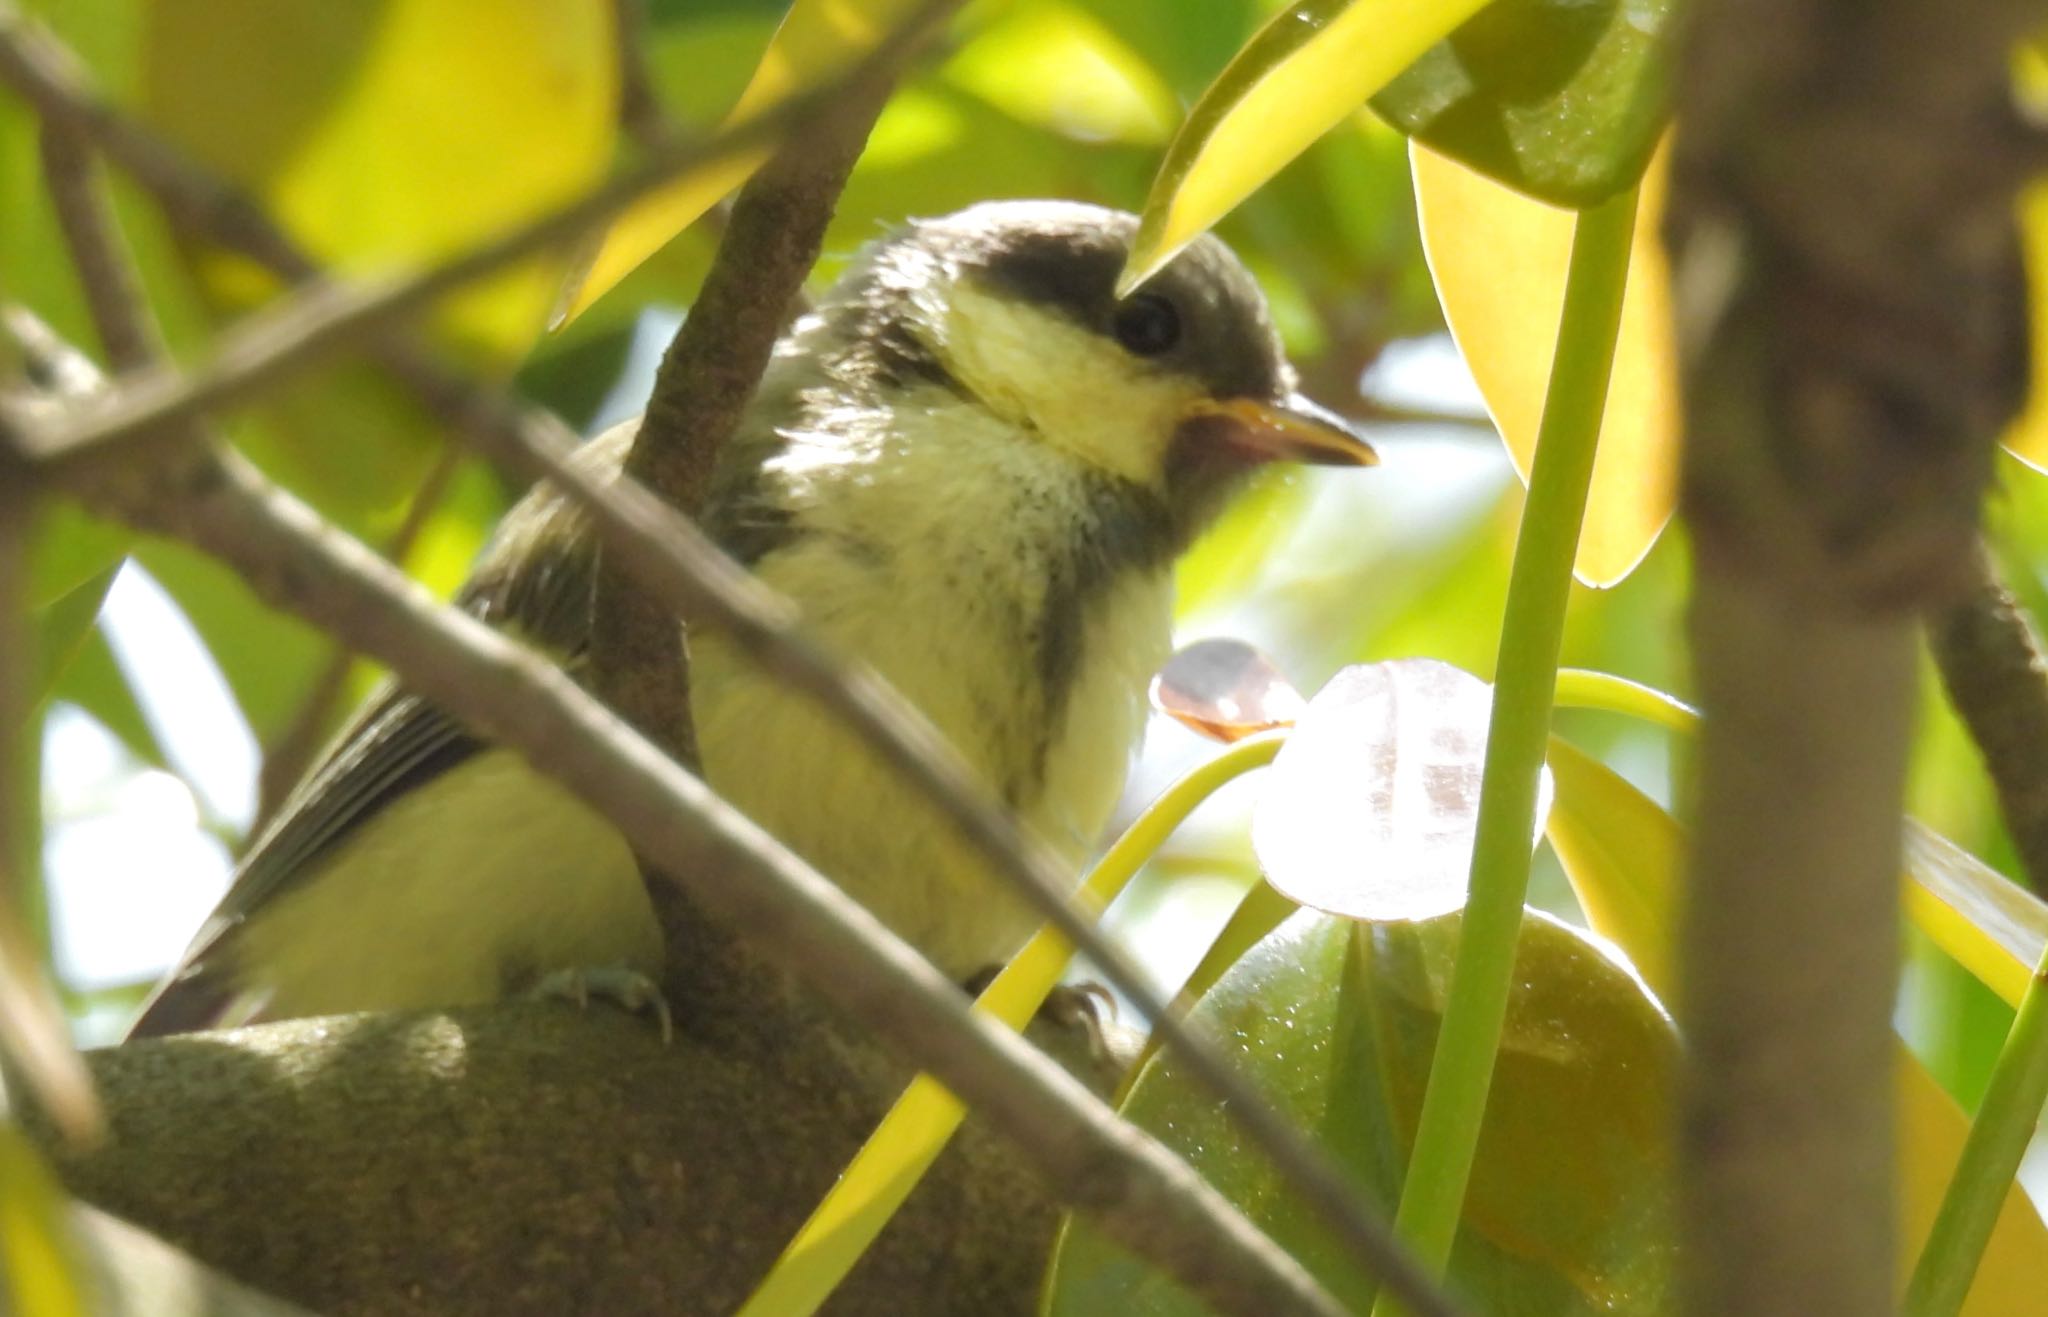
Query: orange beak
[1291, 430]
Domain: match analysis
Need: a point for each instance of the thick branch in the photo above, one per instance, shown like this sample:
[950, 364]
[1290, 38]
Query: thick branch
[1849, 310]
[1991, 666]
[530, 1159]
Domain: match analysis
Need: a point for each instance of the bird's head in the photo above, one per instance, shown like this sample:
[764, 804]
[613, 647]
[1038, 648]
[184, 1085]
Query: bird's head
[1181, 387]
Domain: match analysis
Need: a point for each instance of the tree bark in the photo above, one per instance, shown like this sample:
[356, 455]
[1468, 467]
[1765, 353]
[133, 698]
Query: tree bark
[1849, 305]
[525, 1158]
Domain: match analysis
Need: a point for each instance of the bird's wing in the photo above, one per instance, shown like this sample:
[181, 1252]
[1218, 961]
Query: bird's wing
[395, 745]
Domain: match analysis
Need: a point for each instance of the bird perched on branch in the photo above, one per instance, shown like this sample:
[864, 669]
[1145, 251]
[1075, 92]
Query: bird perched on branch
[972, 466]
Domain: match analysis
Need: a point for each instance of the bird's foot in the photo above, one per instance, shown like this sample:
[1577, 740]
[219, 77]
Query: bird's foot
[625, 987]
[1085, 1006]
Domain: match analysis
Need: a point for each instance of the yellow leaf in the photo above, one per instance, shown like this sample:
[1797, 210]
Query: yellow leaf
[818, 41]
[1055, 65]
[1988, 924]
[1313, 64]
[396, 133]
[1620, 849]
[1498, 259]
[39, 1270]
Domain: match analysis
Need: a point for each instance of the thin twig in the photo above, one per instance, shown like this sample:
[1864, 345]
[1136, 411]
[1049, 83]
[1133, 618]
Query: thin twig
[1991, 666]
[640, 112]
[675, 561]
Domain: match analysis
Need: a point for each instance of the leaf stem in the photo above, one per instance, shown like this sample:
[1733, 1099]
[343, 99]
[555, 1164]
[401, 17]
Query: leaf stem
[1539, 584]
[1990, 1160]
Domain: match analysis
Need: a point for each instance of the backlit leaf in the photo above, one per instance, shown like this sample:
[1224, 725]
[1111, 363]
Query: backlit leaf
[1053, 64]
[818, 41]
[1315, 63]
[395, 133]
[1498, 259]
[1370, 807]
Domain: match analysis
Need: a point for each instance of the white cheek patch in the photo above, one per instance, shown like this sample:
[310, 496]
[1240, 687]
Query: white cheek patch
[1077, 389]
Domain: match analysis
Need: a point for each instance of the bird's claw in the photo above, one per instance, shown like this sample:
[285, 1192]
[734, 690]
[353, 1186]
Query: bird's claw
[629, 988]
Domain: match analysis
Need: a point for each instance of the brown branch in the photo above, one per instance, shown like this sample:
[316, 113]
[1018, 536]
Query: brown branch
[1992, 668]
[526, 1158]
[639, 662]
[672, 559]
[1852, 340]
[640, 112]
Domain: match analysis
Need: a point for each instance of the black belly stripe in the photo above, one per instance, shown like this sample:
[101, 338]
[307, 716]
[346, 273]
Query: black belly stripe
[1123, 528]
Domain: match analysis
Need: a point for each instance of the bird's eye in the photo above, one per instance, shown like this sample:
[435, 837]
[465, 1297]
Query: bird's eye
[1147, 325]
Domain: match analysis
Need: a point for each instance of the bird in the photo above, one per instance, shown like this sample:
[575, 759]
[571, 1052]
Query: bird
[972, 465]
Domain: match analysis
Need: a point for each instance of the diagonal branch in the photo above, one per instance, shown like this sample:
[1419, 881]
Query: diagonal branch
[676, 562]
[1992, 668]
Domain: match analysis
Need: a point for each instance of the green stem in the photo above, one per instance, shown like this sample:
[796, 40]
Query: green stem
[1525, 677]
[1991, 1157]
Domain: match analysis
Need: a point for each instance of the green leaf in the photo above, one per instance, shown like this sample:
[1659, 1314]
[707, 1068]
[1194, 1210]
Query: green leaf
[1571, 1199]
[1315, 63]
[95, 683]
[1561, 99]
[394, 133]
[61, 630]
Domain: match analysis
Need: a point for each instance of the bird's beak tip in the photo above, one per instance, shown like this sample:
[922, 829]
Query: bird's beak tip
[1291, 429]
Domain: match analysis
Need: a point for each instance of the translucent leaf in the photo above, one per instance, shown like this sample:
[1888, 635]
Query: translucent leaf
[1561, 99]
[1620, 850]
[1370, 807]
[1315, 63]
[1225, 689]
[1569, 1210]
[1498, 259]
[1987, 923]
[818, 40]
[1055, 65]
[390, 134]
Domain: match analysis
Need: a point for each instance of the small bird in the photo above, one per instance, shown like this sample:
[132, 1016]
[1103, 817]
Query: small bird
[972, 465]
